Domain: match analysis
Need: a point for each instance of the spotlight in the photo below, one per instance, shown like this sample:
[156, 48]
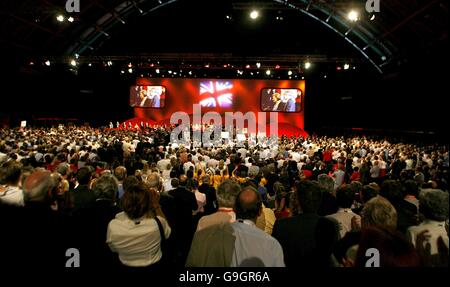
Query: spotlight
[372, 17]
[157, 71]
[254, 14]
[247, 66]
[73, 63]
[90, 64]
[130, 65]
[70, 19]
[268, 72]
[60, 18]
[228, 17]
[170, 71]
[109, 63]
[307, 65]
[277, 66]
[47, 63]
[258, 65]
[130, 70]
[122, 72]
[289, 72]
[190, 73]
[353, 16]
[346, 66]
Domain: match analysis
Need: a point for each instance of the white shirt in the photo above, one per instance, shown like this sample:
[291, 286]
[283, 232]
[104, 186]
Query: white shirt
[138, 245]
[12, 195]
[435, 229]
[344, 218]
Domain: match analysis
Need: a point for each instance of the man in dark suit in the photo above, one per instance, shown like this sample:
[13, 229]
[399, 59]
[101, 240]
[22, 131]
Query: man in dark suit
[211, 198]
[185, 203]
[82, 196]
[307, 239]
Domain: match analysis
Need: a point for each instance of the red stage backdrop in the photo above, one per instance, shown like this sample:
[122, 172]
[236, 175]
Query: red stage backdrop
[221, 95]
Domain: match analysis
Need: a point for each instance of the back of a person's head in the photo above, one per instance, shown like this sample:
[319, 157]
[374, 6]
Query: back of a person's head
[309, 195]
[120, 173]
[136, 201]
[278, 188]
[248, 204]
[345, 195]
[38, 186]
[379, 212]
[10, 172]
[175, 182]
[434, 204]
[326, 182]
[368, 192]
[154, 181]
[63, 168]
[392, 190]
[106, 187]
[393, 249]
[411, 187]
[129, 182]
[227, 193]
[84, 175]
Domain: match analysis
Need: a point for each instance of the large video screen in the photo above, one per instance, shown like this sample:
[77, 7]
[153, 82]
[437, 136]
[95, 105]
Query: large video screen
[216, 94]
[281, 100]
[145, 96]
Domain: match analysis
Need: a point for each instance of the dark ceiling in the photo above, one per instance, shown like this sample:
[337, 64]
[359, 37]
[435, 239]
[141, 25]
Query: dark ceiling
[402, 31]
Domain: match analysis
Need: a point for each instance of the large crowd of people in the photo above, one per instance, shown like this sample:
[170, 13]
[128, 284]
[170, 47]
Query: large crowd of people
[129, 199]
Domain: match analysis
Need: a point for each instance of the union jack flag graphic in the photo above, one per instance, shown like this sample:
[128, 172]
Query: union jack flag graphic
[216, 94]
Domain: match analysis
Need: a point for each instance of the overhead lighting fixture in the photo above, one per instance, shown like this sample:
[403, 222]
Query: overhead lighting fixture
[90, 64]
[353, 16]
[307, 65]
[268, 72]
[109, 63]
[157, 71]
[258, 65]
[60, 18]
[254, 14]
[130, 65]
[73, 63]
[47, 63]
[130, 70]
[346, 66]
[71, 19]
[277, 66]
[289, 72]
[170, 71]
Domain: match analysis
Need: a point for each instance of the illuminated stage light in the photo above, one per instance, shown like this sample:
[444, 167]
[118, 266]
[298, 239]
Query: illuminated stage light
[109, 63]
[307, 65]
[130, 65]
[122, 72]
[372, 17]
[258, 65]
[346, 66]
[268, 72]
[190, 73]
[130, 70]
[60, 18]
[77, 56]
[90, 64]
[289, 73]
[73, 63]
[277, 66]
[170, 71]
[247, 66]
[353, 16]
[70, 19]
[31, 63]
[157, 71]
[228, 17]
[47, 63]
[254, 14]
[207, 66]
[303, 78]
